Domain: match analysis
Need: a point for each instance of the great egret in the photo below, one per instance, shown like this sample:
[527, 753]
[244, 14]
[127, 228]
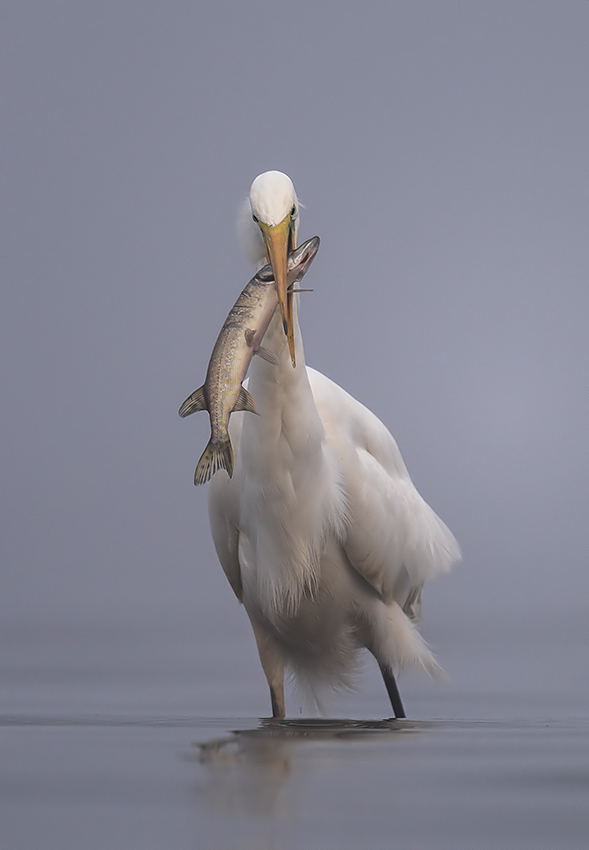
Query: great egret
[320, 531]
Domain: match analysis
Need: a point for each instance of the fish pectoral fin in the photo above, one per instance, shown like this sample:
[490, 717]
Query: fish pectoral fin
[245, 401]
[194, 402]
[267, 355]
[264, 353]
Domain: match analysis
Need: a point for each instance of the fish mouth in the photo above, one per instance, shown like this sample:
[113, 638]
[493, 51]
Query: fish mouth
[279, 242]
[301, 258]
[298, 264]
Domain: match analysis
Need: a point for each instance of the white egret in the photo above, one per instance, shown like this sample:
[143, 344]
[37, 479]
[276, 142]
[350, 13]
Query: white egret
[320, 531]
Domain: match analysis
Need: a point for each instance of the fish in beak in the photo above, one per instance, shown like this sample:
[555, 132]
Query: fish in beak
[279, 241]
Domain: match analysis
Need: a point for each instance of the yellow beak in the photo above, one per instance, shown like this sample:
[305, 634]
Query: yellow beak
[279, 241]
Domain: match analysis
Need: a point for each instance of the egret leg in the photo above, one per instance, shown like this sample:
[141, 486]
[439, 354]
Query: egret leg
[393, 691]
[273, 668]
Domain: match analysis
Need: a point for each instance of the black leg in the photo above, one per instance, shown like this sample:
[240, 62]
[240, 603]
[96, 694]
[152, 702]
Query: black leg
[393, 691]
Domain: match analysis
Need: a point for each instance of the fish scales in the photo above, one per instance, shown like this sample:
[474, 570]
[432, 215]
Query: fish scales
[232, 353]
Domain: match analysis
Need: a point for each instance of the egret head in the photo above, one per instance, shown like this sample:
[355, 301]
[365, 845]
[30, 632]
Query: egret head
[275, 209]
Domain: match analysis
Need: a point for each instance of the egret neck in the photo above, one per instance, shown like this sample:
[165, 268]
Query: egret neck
[291, 488]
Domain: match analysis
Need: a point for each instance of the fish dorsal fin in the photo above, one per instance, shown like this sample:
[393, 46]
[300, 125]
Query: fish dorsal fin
[245, 401]
[194, 402]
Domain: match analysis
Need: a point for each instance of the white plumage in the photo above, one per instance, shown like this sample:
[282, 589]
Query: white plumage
[321, 532]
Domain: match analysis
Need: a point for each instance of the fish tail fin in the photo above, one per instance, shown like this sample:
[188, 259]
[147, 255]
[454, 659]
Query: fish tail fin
[215, 456]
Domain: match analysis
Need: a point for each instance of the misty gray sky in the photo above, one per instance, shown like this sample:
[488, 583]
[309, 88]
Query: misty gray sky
[441, 150]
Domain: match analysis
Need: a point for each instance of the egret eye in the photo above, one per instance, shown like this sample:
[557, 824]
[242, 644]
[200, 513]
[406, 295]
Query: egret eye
[255, 219]
[293, 212]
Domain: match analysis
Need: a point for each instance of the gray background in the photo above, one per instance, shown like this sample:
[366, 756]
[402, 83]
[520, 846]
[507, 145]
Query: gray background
[441, 150]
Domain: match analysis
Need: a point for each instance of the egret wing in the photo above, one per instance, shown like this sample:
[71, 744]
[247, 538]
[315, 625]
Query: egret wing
[393, 539]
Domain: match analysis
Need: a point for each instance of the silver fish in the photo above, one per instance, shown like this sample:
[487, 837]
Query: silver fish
[240, 338]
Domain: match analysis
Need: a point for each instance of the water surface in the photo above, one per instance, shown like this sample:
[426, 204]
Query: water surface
[143, 771]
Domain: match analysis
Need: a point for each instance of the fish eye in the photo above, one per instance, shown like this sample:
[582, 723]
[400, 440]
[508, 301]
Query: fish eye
[255, 219]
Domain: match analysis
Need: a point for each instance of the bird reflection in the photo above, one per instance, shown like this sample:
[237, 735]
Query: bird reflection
[248, 771]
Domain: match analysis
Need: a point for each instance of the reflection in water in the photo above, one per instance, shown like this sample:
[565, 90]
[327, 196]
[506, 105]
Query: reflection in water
[313, 784]
[248, 770]
[323, 783]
